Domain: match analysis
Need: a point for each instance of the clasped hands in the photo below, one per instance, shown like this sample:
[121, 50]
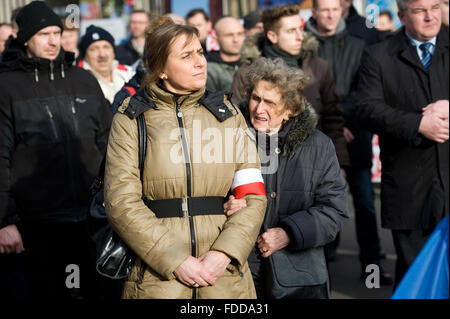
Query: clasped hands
[435, 121]
[202, 271]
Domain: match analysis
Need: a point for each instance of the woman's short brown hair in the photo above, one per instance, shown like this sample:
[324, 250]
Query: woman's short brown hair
[160, 35]
[290, 81]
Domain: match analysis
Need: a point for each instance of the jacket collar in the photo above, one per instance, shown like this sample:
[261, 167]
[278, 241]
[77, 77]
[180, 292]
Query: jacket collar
[341, 30]
[15, 58]
[401, 46]
[164, 98]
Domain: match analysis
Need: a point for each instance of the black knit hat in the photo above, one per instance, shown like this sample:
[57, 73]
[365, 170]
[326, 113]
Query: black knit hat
[33, 17]
[93, 34]
[251, 19]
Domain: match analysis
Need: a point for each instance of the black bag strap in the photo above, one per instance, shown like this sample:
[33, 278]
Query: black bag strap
[142, 140]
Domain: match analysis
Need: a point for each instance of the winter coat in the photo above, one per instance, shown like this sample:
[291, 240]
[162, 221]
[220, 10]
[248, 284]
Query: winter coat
[174, 171]
[54, 124]
[121, 74]
[393, 89]
[320, 90]
[220, 73]
[356, 26]
[130, 88]
[126, 54]
[343, 53]
[306, 196]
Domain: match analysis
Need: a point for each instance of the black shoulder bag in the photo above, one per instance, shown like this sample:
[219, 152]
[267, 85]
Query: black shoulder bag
[114, 259]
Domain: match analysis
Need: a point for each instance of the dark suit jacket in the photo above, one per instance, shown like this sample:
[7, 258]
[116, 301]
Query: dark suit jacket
[393, 89]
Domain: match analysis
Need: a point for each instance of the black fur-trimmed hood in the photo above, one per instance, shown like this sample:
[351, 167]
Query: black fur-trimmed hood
[304, 124]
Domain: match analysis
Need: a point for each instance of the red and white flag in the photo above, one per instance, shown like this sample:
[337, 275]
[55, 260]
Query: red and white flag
[248, 181]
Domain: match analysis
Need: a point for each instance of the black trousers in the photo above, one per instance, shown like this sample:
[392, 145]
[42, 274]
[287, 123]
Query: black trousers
[408, 244]
[58, 263]
[12, 279]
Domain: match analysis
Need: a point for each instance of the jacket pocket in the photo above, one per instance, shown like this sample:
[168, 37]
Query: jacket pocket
[37, 122]
[74, 117]
[304, 268]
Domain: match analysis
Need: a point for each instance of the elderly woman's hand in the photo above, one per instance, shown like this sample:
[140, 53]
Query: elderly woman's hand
[272, 240]
[233, 205]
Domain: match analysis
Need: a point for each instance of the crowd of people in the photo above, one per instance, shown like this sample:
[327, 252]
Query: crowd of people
[255, 213]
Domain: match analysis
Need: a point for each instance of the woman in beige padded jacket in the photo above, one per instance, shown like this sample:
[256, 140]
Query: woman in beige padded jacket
[198, 150]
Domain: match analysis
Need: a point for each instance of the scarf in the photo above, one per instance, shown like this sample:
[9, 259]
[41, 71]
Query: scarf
[272, 52]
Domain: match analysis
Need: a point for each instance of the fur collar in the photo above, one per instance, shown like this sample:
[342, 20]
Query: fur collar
[304, 124]
[301, 128]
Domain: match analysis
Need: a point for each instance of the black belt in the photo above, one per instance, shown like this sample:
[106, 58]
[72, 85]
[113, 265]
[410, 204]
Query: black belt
[190, 206]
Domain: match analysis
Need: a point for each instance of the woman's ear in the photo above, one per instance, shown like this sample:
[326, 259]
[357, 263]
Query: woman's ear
[286, 115]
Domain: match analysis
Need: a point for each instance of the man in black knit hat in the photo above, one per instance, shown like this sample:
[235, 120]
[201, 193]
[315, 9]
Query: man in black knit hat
[54, 123]
[97, 53]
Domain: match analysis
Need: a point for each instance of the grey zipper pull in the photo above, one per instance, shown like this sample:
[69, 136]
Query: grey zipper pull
[36, 74]
[48, 111]
[63, 75]
[73, 108]
[52, 77]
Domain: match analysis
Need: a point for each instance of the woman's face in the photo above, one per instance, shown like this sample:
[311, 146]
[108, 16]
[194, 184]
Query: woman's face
[267, 108]
[185, 69]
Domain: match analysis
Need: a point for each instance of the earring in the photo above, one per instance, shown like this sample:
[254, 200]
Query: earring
[164, 77]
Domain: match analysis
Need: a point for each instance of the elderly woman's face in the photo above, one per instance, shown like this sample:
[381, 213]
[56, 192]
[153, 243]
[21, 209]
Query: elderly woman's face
[267, 108]
[185, 69]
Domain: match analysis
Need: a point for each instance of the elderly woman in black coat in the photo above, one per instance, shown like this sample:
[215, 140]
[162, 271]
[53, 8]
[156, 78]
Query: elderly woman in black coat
[307, 198]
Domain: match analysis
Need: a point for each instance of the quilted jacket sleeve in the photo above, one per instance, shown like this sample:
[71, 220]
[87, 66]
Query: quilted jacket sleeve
[131, 219]
[241, 229]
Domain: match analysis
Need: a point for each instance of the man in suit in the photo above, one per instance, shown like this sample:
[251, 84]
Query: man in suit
[403, 96]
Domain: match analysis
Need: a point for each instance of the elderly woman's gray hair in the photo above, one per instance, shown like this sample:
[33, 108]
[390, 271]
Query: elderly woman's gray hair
[290, 81]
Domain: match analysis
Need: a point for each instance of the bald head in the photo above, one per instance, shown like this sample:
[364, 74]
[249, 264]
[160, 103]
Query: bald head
[225, 23]
[176, 18]
[5, 31]
[230, 35]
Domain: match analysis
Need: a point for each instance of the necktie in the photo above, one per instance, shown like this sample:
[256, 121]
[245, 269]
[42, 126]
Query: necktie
[426, 54]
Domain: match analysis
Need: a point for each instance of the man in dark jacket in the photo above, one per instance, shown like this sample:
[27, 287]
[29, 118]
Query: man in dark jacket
[223, 64]
[132, 50]
[299, 50]
[54, 122]
[403, 97]
[343, 53]
[356, 25]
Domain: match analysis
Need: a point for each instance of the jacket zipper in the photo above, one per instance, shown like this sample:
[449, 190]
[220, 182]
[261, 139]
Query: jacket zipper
[188, 182]
[74, 113]
[52, 121]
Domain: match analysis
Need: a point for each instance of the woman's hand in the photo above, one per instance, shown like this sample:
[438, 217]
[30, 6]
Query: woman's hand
[191, 273]
[233, 205]
[272, 240]
[214, 264]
